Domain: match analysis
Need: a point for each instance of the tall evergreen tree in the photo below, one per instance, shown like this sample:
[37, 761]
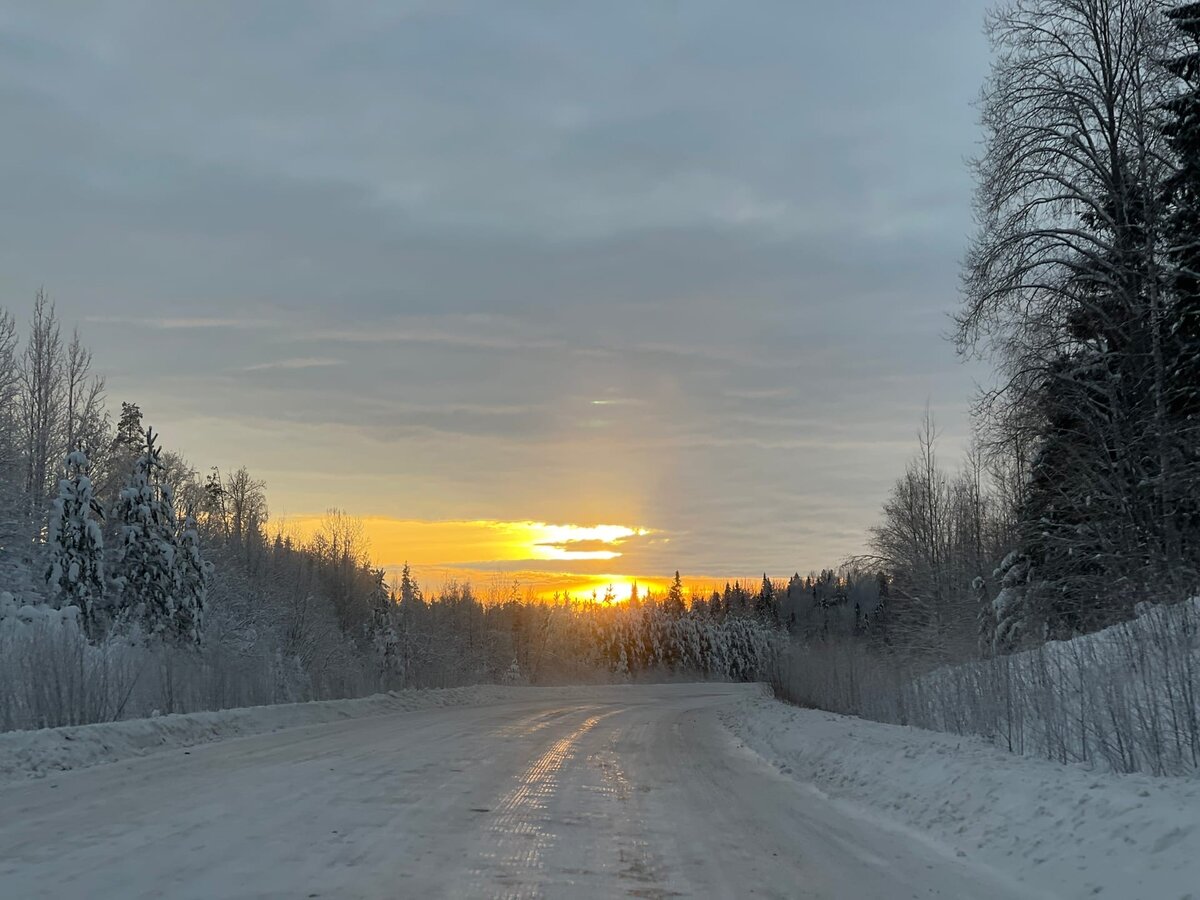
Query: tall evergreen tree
[674, 604]
[410, 591]
[76, 546]
[764, 603]
[193, 574]
[383, 631]
[147, 577]
[129, 436]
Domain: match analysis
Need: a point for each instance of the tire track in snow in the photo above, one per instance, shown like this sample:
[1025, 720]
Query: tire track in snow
[519, 833]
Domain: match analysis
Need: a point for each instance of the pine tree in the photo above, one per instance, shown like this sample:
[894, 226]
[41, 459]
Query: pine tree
[385, 638]
[125, 448]
[129, 436]
[764, 603]
[410, 591]
[213, 502]
[147, 577]
[674, 604]
[76, 571]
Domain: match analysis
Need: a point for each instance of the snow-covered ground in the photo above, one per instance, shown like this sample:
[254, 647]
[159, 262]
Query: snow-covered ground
[1061, 828]
[653, 791]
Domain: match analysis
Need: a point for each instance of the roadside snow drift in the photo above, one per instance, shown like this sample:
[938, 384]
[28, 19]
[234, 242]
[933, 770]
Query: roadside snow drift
[1058, 828]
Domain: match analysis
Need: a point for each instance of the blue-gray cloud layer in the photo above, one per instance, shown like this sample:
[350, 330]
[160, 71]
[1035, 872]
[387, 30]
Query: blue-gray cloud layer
[683, 265]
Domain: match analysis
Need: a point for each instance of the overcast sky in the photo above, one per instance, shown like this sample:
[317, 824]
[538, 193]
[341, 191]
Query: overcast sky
[683, 266]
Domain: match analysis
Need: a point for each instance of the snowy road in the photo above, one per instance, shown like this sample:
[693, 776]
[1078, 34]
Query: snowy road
[639, 792]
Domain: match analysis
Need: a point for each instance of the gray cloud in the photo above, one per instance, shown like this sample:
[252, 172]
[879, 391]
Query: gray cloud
[296, 363]
[677, 265]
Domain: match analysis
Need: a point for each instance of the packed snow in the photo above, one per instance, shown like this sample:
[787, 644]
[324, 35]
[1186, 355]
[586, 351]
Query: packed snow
[1063, 829]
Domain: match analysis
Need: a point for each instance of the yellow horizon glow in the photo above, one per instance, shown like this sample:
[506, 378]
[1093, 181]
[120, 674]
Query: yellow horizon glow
[483, 551]
[582, 587]
[622, 587]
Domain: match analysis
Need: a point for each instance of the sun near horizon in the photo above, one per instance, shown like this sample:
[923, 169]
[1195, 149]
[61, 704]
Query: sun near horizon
[502, 559]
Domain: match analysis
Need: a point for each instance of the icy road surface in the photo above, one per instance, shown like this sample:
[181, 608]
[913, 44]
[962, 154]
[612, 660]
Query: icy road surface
[640, 792]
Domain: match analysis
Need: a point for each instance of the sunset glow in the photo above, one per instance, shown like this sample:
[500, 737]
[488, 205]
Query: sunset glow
[579, 542]
[622, 587]
[539, 557]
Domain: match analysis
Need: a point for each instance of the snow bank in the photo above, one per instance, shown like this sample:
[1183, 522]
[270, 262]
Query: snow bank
[1057, 828]
[1125, 699]
[25, 753]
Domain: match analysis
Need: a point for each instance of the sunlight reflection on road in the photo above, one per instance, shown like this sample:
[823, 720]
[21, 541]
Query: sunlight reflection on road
[519, 833]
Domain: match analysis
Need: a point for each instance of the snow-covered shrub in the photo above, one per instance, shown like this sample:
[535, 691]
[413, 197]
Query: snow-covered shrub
[1125, 699]
[52, 675]
[512, 675]
[49, 674]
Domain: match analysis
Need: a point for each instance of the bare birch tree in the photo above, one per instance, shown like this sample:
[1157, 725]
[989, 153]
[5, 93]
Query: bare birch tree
[41, 402]
[84, 418]
[12, 512]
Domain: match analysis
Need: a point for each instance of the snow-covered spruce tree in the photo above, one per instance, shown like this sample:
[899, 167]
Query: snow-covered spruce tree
[193, 574]
[76, 546]
[1015, 623]
[146, 575]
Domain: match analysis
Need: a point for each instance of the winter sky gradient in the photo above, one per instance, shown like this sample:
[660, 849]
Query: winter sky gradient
[680, 266]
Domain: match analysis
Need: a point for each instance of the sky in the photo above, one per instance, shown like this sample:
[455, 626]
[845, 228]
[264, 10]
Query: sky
[470, 270]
